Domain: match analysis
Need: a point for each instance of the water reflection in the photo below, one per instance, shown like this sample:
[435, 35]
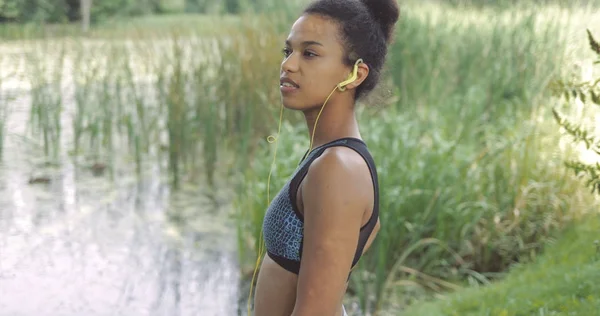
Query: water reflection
[76, 242]
[84, 245]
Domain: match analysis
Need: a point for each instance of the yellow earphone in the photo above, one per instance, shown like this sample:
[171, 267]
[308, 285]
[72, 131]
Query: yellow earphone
[351, 78]
[272, 139]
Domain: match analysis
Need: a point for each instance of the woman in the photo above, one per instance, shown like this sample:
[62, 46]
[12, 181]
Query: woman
[326, 215]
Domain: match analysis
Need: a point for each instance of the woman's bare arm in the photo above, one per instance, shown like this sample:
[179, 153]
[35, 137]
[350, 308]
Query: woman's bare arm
[334, 199]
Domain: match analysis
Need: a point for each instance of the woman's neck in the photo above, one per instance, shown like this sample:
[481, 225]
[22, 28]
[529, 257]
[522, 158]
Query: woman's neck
[335, 121]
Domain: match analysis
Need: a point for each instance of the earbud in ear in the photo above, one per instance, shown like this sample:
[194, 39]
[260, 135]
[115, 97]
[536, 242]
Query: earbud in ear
[351, 78]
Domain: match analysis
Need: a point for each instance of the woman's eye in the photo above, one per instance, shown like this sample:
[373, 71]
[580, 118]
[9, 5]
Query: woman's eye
[287, 52]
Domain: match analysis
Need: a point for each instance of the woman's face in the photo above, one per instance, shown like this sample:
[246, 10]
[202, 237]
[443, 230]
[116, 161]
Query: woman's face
[312, 64]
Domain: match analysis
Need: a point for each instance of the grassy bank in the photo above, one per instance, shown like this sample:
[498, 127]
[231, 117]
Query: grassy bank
[471, 172]
[563, 281]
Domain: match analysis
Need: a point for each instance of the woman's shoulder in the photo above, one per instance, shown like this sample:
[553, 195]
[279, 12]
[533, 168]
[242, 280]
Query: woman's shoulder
[343, 158]
[339, 170]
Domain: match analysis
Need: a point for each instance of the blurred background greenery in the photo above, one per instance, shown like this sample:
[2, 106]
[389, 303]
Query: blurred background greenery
[470, 154]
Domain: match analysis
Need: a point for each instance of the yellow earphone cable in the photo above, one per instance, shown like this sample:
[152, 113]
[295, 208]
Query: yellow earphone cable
[316, 120]
[271, 139]
[342, 86]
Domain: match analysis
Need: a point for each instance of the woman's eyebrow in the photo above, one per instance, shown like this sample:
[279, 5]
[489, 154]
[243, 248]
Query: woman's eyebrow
[305, 43]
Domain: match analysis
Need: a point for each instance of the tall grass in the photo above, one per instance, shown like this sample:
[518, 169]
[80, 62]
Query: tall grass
[471, 181]
[181, 99]
[4, 111]
[45, 79]
[3, 108]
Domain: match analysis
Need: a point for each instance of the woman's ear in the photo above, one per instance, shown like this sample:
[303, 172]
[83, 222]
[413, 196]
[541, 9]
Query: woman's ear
[361, 75]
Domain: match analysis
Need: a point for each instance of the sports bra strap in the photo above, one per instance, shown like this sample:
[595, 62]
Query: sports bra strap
[360, 147]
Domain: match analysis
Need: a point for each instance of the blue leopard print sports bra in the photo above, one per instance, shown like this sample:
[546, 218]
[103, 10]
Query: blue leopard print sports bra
[283, 223]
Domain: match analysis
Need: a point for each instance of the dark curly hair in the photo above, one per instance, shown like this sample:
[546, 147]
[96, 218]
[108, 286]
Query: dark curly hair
[366, 29]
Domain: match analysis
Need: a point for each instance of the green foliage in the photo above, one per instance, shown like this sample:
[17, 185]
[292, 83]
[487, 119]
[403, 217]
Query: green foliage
[497, 73]
[232, 6]
[263, 6]
[512, 4]
[55, 11]
[61, 11]
[576, 93]
[171, 6]
[9, 9]
[563, 281]
[104, 9]
[201, 6]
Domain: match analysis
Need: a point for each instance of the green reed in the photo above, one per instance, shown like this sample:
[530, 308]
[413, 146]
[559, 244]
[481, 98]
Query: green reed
[3, 119]
[191, 97]
[84, 73]
[4, 108]
[45, 79]
[159, 91]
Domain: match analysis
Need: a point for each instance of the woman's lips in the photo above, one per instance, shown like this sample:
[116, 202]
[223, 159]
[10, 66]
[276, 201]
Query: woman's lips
[287, 85]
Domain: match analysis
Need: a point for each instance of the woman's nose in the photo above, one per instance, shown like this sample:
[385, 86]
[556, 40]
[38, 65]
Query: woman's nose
[290, 64]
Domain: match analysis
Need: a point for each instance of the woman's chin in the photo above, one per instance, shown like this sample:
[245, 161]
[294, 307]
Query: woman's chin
[290, 104]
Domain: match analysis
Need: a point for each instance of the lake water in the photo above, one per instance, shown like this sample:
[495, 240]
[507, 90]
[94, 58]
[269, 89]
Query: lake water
[76, 242]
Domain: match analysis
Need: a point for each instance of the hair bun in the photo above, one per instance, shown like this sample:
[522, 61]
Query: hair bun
[386, 13]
